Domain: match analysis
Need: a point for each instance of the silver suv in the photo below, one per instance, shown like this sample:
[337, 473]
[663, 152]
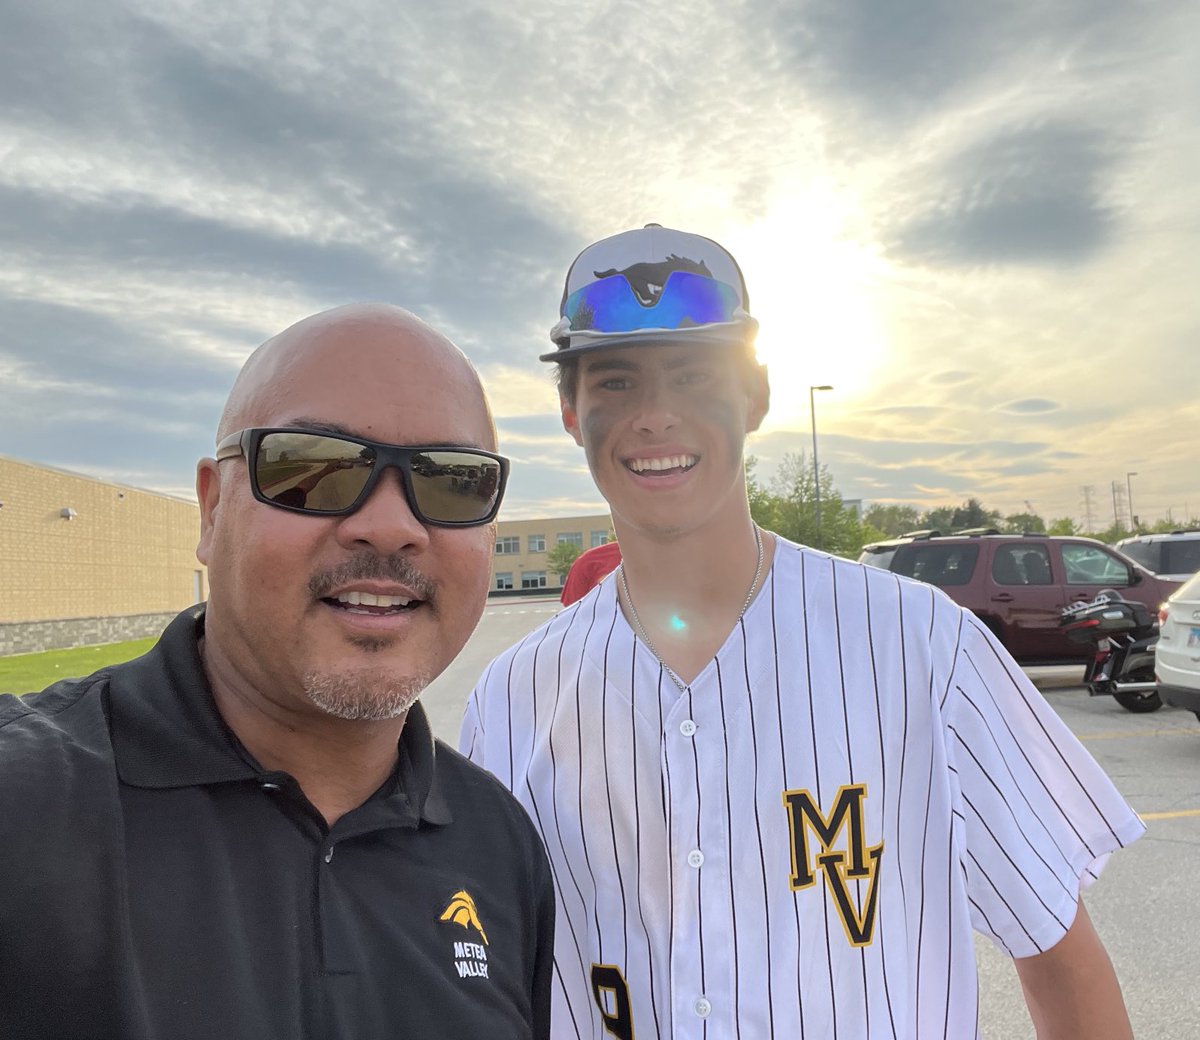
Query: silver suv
[1174, 556]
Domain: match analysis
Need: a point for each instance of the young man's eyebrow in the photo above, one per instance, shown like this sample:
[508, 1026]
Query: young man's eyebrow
[683, 360]
[610, 365]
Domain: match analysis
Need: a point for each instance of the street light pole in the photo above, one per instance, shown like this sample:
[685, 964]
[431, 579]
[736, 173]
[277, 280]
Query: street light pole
[1129, 501]
[812, 410]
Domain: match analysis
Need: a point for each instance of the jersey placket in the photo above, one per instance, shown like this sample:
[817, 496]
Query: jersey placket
[698, 829]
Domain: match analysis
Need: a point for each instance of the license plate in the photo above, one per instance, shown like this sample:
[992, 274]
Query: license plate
[1194, 637]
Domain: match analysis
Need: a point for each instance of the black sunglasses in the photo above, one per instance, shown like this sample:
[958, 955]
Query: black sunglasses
[327, 474]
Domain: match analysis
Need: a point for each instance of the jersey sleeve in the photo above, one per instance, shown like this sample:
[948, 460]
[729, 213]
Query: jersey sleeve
[470, 733]
[1038, 815]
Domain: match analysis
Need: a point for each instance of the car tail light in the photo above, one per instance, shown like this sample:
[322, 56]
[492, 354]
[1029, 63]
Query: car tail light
[1163, 610]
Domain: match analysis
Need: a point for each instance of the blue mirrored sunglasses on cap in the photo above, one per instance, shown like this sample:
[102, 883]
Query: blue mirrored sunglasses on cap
[687, 300]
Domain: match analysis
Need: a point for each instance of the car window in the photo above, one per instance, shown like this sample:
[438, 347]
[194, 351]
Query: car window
[1182, 557]
[1092, 565]
[1006, 567]
[1032, 563]
[936, 564]
[878, 557]
[1145, 553]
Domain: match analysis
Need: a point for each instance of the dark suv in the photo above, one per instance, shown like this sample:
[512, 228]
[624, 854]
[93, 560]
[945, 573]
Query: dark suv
[1173, 555]
[1018, 584]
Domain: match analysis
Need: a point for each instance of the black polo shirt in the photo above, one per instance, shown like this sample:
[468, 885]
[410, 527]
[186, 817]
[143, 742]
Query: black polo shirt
[157, 884]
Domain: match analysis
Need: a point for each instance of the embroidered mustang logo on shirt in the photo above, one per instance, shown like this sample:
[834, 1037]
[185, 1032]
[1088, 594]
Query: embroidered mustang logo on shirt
[857, 862]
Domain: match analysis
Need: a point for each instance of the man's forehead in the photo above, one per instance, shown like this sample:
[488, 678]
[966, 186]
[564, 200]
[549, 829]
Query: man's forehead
[361, 430]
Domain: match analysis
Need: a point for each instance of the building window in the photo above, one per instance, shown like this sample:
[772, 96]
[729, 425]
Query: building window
[503, 580]
[572, 538]
[599, 538]
[508, 546]
[533, 580]
[537, 543]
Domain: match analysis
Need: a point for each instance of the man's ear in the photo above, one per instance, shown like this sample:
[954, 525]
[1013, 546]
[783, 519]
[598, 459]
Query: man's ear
[570, 420]
[758, 393]
[208, 493]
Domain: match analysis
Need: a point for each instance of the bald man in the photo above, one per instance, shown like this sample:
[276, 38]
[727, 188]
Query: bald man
[250, 832]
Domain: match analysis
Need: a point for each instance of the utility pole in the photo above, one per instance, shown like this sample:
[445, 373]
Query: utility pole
[1089, 513]
[812, 408]
[1121, 510]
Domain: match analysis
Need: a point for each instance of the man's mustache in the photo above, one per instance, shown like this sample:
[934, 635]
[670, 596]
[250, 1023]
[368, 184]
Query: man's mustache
[368, 566]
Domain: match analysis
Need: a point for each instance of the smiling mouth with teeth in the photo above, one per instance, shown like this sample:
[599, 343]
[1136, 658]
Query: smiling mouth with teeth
[665, 465]
[368, 603]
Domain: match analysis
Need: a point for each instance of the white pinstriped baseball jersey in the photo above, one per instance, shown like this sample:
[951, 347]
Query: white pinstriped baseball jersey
[800, 844]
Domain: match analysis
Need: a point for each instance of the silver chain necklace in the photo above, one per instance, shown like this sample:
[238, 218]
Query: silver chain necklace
[641, 631]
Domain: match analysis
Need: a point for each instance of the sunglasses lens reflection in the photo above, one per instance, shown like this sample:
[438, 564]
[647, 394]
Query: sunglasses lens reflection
[311, 472]
[317, 473]
[455, 486]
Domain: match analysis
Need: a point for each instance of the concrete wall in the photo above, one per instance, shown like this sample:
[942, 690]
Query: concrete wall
[119, 553]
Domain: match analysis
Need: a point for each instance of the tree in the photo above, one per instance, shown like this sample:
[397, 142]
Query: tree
[959, 518]
[1063, 525]
[1166, 526]
[788, 507]
[1019, 523]
[892, 520]
[560, 558]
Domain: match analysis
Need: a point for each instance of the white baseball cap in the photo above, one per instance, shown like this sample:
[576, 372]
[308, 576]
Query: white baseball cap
[650, 285]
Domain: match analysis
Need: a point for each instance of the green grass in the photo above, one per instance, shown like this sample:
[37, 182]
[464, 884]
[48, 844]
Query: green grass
[24, 673]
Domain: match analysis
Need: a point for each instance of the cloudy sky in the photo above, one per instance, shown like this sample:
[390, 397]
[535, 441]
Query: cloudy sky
[979, 222]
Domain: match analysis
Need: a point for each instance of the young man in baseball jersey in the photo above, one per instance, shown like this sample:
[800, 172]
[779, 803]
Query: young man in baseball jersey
[778, 789]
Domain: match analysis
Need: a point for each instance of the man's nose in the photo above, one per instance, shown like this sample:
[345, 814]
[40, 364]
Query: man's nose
[385, 521]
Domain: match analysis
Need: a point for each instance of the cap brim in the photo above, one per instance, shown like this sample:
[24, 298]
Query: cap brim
[729, 334]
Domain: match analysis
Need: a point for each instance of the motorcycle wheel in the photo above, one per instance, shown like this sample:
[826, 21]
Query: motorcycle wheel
[1139, 702]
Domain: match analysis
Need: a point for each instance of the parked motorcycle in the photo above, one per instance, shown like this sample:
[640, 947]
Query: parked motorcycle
[1124, 635]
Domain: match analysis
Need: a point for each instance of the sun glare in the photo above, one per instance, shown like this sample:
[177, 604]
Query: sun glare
[812, 288]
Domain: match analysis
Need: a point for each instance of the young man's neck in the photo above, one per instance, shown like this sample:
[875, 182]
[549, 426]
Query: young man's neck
[689, 588]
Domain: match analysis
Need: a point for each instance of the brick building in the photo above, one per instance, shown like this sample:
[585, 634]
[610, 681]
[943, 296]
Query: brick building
[83, 561]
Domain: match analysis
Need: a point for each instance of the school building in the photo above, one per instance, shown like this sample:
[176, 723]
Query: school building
[519, 564]
[85, 561]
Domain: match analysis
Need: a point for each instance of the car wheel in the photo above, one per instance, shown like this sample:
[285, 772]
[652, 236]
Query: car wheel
[1139, 702]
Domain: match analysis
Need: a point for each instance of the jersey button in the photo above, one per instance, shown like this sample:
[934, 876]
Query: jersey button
[696, 859]
[703, 1007]
[687, 727]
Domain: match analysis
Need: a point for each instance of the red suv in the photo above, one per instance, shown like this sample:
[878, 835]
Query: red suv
[1018, 584]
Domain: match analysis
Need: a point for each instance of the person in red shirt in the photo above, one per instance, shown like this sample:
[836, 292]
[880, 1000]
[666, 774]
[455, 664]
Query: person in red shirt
[589, 570]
